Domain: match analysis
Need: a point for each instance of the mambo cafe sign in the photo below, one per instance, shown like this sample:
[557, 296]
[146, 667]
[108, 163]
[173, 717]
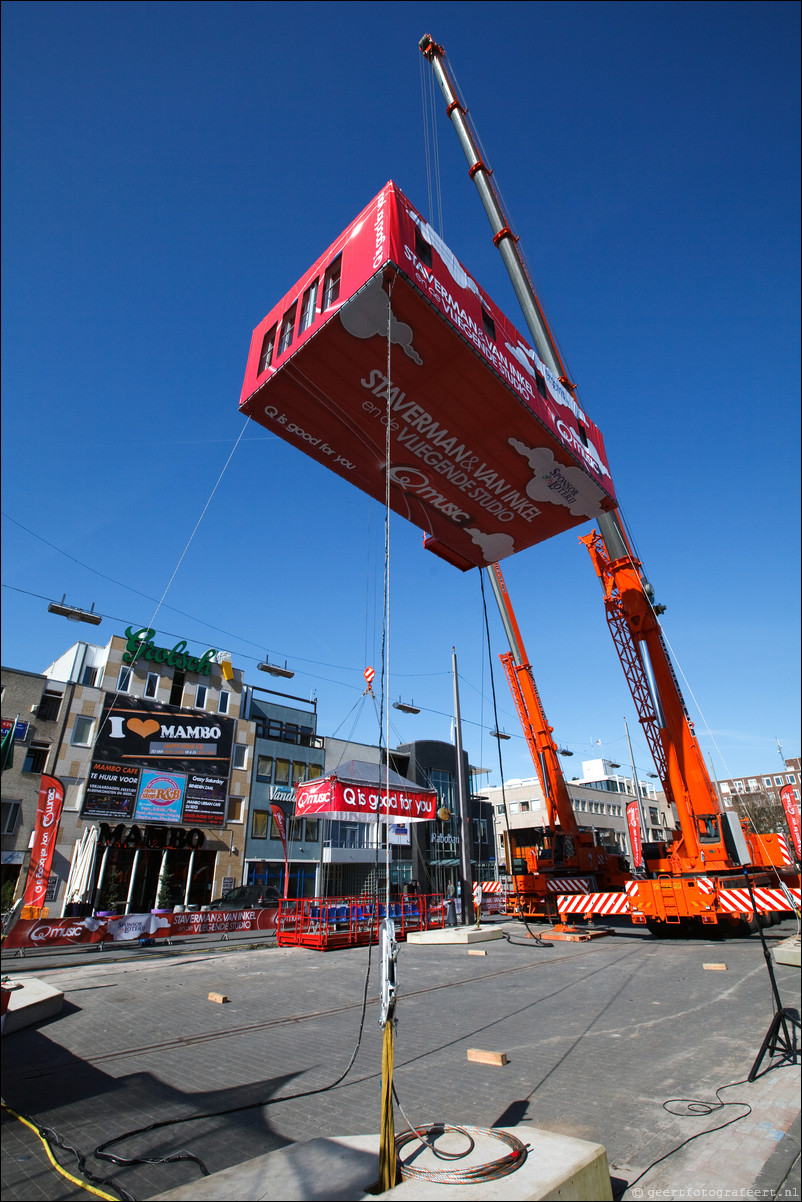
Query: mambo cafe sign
[364, 801]
[140, 646]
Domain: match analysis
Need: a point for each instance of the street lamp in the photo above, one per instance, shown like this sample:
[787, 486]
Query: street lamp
[274, 669]
[73, 613]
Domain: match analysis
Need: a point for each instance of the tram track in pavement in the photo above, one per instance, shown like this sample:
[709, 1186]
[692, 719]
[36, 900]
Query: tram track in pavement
[189, 1041]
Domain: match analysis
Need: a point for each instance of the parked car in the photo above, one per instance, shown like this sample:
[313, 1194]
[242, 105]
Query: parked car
[247, 897]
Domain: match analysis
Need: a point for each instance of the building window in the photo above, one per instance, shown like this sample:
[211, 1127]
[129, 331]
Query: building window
[36, 758]
[778, 780]
[287, 328]
[152, 685]
[90, 677]
[124, 680]
[489, 324]
[314, 771]
[177, 689]
[48, 708]
[331, 283]
[524, 807]
[10, 816]
[422, 248]
[298, 771]
[259, 824]
[82, 731]
[308, 307]
[240, 755]
[264, 769]
[266, 353]
[223, 701]
[312, 830]
[514, 807]
[282, 772]
[235, 809]
[789, 780]
[500, 809]
[200, 697]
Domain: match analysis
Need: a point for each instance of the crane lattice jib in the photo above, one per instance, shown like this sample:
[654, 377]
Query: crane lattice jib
[637, 635]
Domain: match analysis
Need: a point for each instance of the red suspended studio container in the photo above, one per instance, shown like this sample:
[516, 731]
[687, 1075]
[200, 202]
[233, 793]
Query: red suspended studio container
[489, 454]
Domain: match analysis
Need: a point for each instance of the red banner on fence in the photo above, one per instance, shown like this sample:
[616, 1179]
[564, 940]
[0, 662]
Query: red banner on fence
[58, 932]
[48, 813]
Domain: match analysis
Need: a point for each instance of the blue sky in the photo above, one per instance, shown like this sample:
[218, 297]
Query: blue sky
[170, 170]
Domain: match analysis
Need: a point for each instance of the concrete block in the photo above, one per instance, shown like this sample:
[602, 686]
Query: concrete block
[31, 1002]
[479, 1056]
[218, 997]
[787, 952]
[477, 951]
[455, 935]
[715, 967]
[341, 1168]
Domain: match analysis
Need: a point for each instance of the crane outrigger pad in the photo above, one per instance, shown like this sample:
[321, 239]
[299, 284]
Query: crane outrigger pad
[488, 453]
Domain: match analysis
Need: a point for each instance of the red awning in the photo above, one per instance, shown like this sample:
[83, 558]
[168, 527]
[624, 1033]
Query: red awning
[366, 796]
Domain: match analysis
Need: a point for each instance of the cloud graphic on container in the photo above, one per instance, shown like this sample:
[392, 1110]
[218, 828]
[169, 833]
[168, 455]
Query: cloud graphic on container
[449, 260]
[366, 314]
[566, 486]
[494, 546]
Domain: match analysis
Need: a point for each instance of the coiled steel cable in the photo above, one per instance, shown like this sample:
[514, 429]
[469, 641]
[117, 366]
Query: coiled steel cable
[482, 1172]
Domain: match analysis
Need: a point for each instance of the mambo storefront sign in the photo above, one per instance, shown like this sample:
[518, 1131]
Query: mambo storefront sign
[155, 763]
[140, 646]
[169, 838]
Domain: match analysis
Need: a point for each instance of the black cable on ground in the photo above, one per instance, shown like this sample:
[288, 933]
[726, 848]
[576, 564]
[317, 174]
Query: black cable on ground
[50, 1139]
[101, 1151]
[693, 1108]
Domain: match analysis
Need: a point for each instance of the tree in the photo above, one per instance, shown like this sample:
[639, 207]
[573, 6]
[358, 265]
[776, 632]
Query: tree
[764, 813]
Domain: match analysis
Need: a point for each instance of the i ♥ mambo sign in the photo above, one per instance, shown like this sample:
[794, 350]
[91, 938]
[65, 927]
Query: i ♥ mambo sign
[159, 763]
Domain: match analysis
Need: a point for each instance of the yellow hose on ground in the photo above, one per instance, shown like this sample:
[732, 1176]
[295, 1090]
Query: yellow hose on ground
[59, 1168]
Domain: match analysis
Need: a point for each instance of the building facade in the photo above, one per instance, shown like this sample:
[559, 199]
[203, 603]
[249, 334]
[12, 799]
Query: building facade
[599, 800]
[769, 783]
[287, 749]
[154, 760]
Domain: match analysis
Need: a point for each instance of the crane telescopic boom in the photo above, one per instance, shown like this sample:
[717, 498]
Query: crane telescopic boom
[711, 839]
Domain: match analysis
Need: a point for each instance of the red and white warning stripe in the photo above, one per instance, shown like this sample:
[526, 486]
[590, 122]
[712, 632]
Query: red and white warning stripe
[567, 884]
[785, 850]
[738, 901]
[593, 903]
[491, 886]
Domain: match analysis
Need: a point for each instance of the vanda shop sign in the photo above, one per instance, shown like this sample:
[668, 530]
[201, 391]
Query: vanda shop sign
[139, 646]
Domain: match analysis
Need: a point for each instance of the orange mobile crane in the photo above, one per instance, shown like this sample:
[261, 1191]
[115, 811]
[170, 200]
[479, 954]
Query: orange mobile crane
[700, 878]
[547, 861]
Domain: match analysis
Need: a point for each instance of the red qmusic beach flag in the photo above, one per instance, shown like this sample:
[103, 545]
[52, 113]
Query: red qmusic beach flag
[633, 821]
[791, 808]
[48, 815]
[281, 823]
